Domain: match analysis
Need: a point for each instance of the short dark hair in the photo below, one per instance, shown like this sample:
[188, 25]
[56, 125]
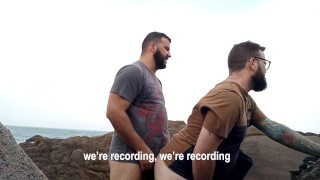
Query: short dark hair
[240, 53]
[153, 37]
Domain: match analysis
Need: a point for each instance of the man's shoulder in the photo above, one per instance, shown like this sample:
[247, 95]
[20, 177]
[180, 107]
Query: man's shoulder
[130, 70]
[224, 92]
[225, 87]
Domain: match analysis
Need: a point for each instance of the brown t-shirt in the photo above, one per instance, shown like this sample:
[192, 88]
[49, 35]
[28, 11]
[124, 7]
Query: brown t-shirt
[225, 106]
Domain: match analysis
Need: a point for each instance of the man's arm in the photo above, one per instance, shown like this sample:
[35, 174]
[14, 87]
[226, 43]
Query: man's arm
[116, 113]
[207, 143]
[288, 137]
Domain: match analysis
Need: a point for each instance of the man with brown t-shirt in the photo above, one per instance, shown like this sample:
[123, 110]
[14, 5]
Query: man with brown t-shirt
[208, 146]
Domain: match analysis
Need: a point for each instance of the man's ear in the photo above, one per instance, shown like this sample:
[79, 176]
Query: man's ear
[153, 47]
[252, 64]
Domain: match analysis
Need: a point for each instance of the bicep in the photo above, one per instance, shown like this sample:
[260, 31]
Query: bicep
[258, 116]
[264, 124]
[270, 128]
[116, 103]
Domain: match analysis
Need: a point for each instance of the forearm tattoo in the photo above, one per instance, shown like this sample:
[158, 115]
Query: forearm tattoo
[288, 137]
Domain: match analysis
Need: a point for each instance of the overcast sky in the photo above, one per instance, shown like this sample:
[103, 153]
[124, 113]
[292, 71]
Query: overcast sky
[59, 58]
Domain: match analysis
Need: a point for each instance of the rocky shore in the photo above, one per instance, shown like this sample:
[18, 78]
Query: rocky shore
[64, 158]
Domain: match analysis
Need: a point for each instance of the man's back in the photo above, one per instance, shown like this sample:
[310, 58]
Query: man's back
[231, 126]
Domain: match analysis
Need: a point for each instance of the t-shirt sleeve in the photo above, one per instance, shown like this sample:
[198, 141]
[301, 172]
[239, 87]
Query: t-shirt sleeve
[257, 114]
[221, 112]
[128, 82]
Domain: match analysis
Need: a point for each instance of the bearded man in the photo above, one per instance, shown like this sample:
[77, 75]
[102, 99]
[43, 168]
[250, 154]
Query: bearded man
[136, 109]
[209, 144]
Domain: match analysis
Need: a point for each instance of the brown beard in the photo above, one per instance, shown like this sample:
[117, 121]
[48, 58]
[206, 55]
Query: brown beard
[159, 60]
[259, 81]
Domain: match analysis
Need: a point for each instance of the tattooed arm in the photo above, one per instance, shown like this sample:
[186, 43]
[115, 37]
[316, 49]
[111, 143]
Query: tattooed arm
[288, 137]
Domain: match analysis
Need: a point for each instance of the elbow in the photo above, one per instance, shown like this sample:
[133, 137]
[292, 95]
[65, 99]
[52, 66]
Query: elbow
[110, 113]
[114, 115]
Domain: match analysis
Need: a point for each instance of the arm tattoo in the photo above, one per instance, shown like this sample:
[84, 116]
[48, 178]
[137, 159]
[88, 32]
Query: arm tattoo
[288, 137]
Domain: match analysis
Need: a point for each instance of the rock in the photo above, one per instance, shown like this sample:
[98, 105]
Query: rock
[271, 160]
[15, 164]
[312, 170]
[252, 131]
[63, 158]
[175, 126]
[308, 134]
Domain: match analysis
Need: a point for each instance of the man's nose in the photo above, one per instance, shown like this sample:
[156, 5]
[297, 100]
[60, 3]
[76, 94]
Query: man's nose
[169, 55]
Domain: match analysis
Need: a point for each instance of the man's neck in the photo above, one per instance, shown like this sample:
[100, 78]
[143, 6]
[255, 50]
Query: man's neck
[242, 80]
[149, 63]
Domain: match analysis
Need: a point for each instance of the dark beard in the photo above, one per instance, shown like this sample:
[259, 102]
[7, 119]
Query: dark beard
[159, 60]
[259, 81]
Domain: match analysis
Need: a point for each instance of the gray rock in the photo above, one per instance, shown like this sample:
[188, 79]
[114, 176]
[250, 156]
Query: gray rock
[311, 173]
[63, 159]
[15, 164]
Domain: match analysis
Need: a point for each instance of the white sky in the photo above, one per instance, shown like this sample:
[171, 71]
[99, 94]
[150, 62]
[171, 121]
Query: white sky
[59, 58]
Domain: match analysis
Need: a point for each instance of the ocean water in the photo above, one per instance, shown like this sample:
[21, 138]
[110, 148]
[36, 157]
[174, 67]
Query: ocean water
[21, 133]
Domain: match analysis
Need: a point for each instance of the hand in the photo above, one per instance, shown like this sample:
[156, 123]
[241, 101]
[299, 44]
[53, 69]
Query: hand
[145, 164]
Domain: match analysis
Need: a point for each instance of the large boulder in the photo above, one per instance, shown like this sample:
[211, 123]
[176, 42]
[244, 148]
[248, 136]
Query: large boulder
[15, 164]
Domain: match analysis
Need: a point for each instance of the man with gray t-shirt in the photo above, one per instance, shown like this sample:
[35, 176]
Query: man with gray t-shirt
[136, 109]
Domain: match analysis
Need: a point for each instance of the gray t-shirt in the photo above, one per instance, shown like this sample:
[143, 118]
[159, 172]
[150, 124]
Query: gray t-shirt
[147, 112]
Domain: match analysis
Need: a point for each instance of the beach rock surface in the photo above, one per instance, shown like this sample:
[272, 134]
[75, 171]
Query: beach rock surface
[272, 160]
[63, 158]
[15, 164]
[312, 171]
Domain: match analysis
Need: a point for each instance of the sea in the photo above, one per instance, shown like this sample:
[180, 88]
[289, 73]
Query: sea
[22, 133]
